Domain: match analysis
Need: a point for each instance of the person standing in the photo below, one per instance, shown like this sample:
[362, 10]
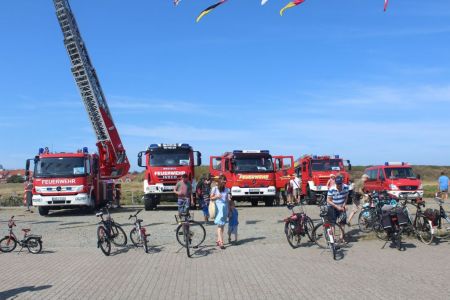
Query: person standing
[337, 200]
[331, 182]
[204, 186]
[183, 190]
[296, 184]
[443, 186]
[233, 222]
[29, 193]
[221, 197]
[359, 194]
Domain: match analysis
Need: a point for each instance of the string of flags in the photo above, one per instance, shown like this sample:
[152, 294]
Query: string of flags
[289, 5]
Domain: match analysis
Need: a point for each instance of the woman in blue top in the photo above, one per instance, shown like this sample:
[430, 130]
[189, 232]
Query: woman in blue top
[221, 197]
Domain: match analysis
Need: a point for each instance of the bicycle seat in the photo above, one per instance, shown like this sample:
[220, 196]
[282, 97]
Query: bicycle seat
[140, 221]
[99, 214]
[26, 230]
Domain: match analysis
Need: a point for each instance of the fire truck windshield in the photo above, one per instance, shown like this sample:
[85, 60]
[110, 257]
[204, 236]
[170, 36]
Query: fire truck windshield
[169, 158]
[60, 167]
[400, 173]
[253, 164]
[327, 165]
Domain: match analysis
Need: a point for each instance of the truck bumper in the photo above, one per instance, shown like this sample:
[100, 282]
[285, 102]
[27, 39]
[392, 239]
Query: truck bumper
[70, 200]
[413, 195]
[254, 192]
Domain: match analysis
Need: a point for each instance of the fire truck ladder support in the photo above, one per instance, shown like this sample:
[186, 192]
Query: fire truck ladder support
[91, 92]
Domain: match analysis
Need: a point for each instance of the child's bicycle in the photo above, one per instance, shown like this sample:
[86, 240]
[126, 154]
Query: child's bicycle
[32, 242]
[298, 225]
[193, 232]
[138, 234]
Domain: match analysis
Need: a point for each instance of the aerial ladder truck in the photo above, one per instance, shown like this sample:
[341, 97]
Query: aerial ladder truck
[62, 180]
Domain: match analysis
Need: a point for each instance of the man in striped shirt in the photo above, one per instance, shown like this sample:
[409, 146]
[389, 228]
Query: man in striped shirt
[337, 199]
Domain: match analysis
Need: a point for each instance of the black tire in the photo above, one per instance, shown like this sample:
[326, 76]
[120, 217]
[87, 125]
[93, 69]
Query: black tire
[254, 202]
[292, 238]
[424, 229]
[187, 240]
[145, 243]
[198, 234]
[135, 238]
[119, 237]
[103, 241]
[34, 245]
[333, 250]
[380, 232]
[365, 222]
[269, 202]
[398, 240]
[309, 228]
[7, 244]
[43, 211]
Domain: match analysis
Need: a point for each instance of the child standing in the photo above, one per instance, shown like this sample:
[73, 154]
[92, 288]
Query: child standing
[233, 222]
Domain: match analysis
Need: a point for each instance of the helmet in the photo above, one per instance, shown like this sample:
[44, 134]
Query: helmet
[339, 180]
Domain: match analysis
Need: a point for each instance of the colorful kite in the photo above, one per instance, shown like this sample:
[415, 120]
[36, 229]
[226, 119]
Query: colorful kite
[290, 5]
[176, 2]
[210, 9]
[386, 3]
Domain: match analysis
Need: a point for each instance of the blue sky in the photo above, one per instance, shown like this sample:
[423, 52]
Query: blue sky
[329, 77]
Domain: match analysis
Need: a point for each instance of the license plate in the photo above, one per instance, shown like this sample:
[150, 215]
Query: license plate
[59, 198]
[254, 190]
[168, 188]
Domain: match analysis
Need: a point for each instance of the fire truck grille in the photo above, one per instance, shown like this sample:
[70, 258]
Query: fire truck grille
[323, 181]
[408, 188]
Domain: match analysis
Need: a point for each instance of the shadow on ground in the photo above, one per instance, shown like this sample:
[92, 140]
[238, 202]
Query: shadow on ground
[13, 293]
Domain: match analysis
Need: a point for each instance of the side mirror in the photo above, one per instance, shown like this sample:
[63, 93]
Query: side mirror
[95, 165]
[27, 166]
[349, 165]
[199, 159]
[140, 159]
[418, 176]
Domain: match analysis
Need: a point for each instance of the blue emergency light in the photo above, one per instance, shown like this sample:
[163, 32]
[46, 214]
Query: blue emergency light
[41, 150]
[237, 151]
[85, 150]
[265, 151]
[153, 146]
[336, 156]
[185, 146]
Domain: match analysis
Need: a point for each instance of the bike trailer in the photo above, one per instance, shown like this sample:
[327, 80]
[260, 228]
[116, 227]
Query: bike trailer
[432, 215]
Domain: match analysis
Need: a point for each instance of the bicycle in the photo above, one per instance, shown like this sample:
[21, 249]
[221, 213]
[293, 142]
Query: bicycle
[393, 222]
[193, 232]
[109, 232]
[32, 242]
[371, 211]
[328, 234]
[138, 234]
[297, 226]
[434, 219]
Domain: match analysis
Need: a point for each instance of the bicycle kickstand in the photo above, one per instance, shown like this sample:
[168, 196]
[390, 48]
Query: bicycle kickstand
[385, 244]
[20, 250]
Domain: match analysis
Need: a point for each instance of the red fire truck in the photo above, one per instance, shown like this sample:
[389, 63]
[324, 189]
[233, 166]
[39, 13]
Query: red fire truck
[253, 175]
[315, 171]
[164, 165]
[62, 180]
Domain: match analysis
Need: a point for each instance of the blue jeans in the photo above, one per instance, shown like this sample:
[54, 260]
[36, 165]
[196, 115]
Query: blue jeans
[183, 205]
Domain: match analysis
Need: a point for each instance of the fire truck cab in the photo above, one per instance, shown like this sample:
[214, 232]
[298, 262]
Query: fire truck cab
[396, 178]
[164, 165]
[68, 180]
[315, 171]
[253, 175]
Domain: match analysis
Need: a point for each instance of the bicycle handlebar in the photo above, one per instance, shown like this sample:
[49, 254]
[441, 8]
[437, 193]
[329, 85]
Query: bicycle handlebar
[135, 215]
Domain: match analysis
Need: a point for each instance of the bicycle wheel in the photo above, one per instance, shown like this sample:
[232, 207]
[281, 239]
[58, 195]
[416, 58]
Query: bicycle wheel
[424, 230]
[333, 250]
[34, 245]
[119, 237]
[319, 236]
[135, 238]
[398, 240]
[365, 223]
[103, 241]
[339, 235]
[380, 232]
[187, 239]
[309, 228]
[7, 244]
[292, 238]
[197, 234]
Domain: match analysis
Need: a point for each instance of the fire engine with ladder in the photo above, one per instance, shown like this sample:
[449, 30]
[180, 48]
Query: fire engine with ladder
[80, 179]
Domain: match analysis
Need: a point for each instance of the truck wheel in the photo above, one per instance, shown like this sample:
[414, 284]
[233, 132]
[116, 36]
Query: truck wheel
[43, 211]
[254, 202]
[269, 201]
[150, 202]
